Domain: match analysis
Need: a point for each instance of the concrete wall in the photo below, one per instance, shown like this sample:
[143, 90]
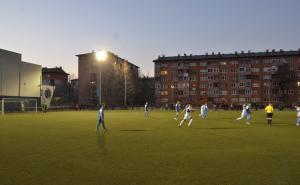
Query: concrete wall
[30, 80]
[10, 67]
[18, 78]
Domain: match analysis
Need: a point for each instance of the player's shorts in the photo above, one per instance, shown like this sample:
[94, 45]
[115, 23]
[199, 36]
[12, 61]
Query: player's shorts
[298, 121]
[269, 115]
[187, 117]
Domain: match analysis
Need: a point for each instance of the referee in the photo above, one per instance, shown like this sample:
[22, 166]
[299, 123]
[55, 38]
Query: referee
[269, 110]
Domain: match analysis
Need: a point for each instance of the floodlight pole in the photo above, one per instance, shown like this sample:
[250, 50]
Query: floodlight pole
[100, 90]
[2, 107]
[125, 86]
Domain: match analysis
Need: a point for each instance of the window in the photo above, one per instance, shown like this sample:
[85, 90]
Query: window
[242, 84]
[223, 70]
[267, 77]
[266, 69]
[203, 85]
[223, 77]
[210, 77]
[234, 70]
[234, 85]
[203, 92]
[163, 72]
[255, 84]
[242, 99]
[203, 78]
[234, 77]
[203, 64]
[290, 91]
[164, 65]
[223, 92]
[255, 70]
[248, 91]
[203, 71]
[193, 64]
[210, 70]
[164, 93]
[242, 69]
[234, 62]
[193, 78]
[234, 92]
[255, 100]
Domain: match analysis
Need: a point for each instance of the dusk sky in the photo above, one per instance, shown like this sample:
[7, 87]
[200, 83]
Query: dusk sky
[52, 32]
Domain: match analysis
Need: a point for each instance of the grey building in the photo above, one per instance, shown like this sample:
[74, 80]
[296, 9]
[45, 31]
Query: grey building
[18, 79]
[119, 79]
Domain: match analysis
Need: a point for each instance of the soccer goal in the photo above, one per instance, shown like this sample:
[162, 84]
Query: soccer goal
[18, 105]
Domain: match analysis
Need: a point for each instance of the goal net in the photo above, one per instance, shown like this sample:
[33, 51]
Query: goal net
[18, 105]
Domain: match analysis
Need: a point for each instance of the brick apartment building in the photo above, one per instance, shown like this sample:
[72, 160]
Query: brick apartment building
[116, 74]
[229, 79]
[59, 78]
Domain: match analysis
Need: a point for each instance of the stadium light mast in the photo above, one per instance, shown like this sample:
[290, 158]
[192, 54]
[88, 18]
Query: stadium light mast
[101, 56]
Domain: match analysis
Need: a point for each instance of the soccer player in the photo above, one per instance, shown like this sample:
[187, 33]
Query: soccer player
[187, 116]
[146, 109]
[246, 113]
[177, 109]
[298, 117]
[269, 110]
[204, 110]
[101, 118]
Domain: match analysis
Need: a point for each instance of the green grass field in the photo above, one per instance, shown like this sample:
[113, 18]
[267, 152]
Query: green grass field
[62, 148]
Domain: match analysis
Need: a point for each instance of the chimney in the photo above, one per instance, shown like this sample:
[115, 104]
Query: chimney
[219, 53]
[299, 50]
[191, 55]
[249, 51]
[267, 51]
[185, 54]
[213, 53]
[242, 52]
[273, 50]
[281, 50]
[235, 52]
[206, 54]
[178, 55]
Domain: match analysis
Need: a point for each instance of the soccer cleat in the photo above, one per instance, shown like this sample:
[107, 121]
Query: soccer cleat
[179, 126]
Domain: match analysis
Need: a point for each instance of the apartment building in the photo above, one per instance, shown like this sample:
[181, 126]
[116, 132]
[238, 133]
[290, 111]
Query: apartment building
[229, 79]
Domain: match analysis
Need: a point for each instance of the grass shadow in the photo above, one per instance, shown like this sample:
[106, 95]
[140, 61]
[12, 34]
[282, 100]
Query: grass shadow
[133, 130]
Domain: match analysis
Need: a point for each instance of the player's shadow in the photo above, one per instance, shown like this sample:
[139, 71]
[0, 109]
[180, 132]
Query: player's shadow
[101, 142]
[133, 130]
[221, 128]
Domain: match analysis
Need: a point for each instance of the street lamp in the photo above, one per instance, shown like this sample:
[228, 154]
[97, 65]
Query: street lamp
[101, 57]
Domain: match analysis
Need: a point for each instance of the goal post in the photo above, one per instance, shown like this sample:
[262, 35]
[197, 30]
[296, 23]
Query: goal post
[19, 105]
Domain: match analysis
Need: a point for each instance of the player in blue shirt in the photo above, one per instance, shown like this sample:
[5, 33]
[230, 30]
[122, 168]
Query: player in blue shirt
[177, 109]
[101, 118]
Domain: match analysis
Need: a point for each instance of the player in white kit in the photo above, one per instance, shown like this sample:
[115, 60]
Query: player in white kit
[246, 113]
[203, 111]
[187, 116]
[146, 109]
[298, 117]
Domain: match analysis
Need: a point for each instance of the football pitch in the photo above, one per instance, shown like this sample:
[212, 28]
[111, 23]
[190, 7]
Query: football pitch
[62, 148]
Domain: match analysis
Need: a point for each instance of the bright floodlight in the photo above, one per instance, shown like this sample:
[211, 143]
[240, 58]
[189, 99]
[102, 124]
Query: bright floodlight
[101, 55]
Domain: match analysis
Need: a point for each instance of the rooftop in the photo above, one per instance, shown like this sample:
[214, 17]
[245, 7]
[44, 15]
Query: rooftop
[242, 54]
[111, 53]
[54, 70]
